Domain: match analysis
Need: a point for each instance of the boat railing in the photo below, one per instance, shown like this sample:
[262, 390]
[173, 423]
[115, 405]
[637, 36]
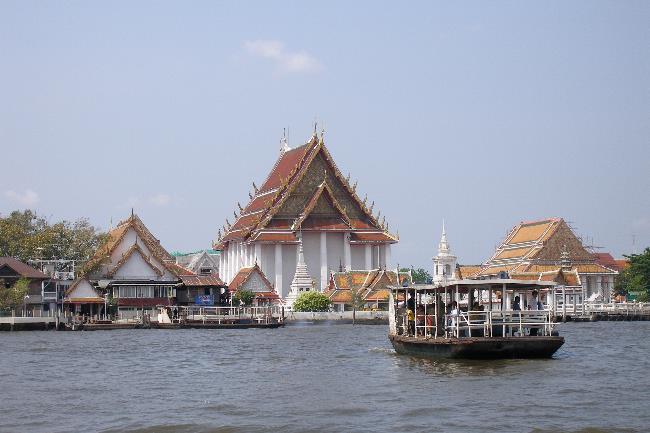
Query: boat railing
[480, 324]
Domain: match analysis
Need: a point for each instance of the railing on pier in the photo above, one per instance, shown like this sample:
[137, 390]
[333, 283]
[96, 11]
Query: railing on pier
[269, 314]
[480, 324]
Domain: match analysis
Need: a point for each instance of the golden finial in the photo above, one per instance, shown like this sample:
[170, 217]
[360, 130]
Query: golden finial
[372, 205]
[354, 187]
[235, 214]
[365, 199]
[250, 196]
[239, 206]
[255, 187]
[347, 179]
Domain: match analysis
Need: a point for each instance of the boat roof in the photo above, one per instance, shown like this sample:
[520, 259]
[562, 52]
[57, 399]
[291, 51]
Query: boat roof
[493, 283]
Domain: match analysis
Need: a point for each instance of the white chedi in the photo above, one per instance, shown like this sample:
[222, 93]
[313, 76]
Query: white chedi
[444, 263]
[302, 281]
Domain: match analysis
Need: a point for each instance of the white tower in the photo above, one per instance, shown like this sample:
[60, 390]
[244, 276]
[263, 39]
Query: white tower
[444, 264]
[302, 281]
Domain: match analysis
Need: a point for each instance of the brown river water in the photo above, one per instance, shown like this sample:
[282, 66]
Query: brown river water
[336, 378]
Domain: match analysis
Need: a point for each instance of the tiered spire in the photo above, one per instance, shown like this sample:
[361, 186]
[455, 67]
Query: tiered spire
[284, 143]
[443, 246]
[302, 281]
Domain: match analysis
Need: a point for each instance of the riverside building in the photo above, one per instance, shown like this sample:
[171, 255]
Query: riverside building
[549, 250]
[304, 197]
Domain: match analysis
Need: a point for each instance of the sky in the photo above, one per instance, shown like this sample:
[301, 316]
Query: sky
[483, 114]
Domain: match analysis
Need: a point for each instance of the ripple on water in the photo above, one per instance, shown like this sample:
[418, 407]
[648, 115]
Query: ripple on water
[316, 378]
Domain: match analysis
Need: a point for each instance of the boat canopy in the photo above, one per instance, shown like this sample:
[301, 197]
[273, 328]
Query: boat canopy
[463, 286]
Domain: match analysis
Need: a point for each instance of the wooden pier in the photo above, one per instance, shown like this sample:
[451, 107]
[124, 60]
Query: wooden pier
[21, 323]
[588, 312]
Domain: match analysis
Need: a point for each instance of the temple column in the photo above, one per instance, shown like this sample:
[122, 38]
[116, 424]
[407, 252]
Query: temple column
[387, 257]
[347, 256]
[258, 254]
[278, 269]
[368, 261]
[323, 261]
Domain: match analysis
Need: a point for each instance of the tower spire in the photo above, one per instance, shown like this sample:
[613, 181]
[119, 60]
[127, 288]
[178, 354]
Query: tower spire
[284, 142]
[302, 281]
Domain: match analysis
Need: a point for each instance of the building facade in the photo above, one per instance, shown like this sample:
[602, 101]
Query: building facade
[304, 196]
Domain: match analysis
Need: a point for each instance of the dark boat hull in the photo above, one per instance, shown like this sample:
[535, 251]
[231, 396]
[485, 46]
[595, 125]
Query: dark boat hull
[477, 347]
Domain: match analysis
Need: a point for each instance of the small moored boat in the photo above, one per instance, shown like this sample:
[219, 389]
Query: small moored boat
[475, 319]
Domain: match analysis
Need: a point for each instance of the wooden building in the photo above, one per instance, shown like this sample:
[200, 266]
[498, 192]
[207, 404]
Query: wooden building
[11, 270]
[135, 269]
[253, 279]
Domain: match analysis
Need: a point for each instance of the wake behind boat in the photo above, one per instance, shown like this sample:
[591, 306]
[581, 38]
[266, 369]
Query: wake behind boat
[450, 320]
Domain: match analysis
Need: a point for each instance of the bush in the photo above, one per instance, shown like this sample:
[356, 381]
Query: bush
[244, 297]
[311, 301]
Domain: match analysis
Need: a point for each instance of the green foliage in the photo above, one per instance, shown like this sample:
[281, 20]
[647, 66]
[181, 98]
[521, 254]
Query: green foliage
[420, 275]
[25, 235]
[14, 296]
[635, 279]
[311, 301]
[356, 298]
[244, 297]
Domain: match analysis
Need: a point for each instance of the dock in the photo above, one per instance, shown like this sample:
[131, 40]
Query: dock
[590, 312]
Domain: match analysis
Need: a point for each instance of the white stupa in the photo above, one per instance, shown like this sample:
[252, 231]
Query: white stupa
[444, 263]
[302, 281]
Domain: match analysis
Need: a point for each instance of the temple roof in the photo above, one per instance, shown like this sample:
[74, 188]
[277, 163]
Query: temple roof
[116, 235]
[304, 191]
[372, 285]
[543, 243]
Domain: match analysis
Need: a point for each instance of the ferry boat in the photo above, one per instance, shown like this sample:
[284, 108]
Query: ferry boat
[475, 319]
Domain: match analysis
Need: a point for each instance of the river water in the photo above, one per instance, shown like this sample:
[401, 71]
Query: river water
[316, 378]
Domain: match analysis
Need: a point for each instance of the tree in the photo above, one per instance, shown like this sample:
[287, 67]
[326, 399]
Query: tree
[311, 301]
[635, 279]
[14, 296]
[25, 235]
[419, 276]
[244, 297]
[356, 301]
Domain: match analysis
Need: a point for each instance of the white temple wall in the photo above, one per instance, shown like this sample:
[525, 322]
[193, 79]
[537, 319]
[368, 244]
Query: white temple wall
[335, 254]
[289, 259]
[268, 262]
[311, 250]
[136, 266]
[127, 242]
[358, 257]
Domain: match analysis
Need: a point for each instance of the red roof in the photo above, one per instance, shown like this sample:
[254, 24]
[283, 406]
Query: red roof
[244, 274]
[261, 213]
[22, 269]
[606, 259]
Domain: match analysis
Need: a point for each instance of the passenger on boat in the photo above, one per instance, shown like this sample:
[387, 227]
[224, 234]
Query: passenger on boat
[410, 317]
[453, 315]
[516, 305]
[534, 305]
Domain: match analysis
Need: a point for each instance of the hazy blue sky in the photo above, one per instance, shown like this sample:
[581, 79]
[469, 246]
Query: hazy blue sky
[482, 113]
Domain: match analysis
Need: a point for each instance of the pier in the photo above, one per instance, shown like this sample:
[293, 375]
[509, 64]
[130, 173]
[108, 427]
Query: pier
[29, 323]
[590, 312]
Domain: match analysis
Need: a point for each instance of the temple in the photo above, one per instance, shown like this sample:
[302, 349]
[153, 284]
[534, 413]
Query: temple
[548, 250]
[304, 197]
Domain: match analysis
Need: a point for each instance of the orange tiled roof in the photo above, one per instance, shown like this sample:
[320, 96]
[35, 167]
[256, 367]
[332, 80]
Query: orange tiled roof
[372, 284]
[116, 235]
[468, 271]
